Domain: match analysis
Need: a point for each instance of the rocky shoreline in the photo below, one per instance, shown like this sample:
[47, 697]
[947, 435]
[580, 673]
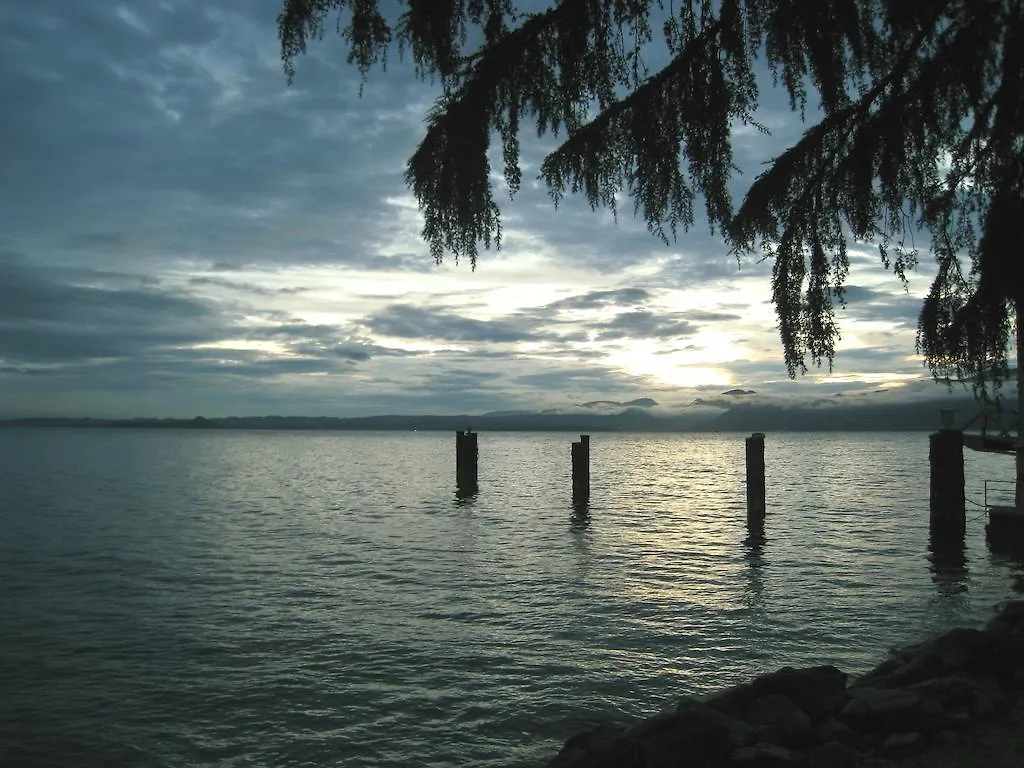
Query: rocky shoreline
[929, 700]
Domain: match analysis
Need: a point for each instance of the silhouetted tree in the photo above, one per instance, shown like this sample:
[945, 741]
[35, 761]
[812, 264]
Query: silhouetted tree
[922, 132]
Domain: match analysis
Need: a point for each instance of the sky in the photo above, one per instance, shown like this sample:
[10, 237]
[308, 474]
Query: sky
[183, 233]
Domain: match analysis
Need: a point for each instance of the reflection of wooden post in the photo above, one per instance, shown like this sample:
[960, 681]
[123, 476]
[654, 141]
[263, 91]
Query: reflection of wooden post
[466, 455]
[581, 470]
[946, 497]
[755, 481]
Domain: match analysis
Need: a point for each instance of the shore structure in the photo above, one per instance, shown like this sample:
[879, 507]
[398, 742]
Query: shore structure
[927, 705]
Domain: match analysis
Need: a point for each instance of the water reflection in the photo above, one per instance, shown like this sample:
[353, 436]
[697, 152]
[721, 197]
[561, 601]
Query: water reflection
[580, 519]
[579, 528]
[753, 594]
[465, 497]
[947, 555]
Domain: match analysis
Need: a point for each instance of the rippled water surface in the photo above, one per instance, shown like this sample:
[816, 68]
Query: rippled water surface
[261, 598]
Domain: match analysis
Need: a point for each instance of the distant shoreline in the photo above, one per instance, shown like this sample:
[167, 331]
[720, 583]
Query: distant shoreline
[594, 424]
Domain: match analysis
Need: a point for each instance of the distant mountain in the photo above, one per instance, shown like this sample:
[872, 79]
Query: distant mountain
[832, 416]
[826, 414]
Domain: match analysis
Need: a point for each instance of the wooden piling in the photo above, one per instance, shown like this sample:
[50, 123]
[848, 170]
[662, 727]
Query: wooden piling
[466, 455]
[946, 497]
[581, 470]
[755, 481]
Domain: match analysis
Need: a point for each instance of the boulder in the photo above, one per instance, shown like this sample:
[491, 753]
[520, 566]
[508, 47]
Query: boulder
[741, 734]
[876, 677]
[931, 717]
[597, 748]
[834, 729]
[947, 738]
[819, 691]
[948, 691]
[958, 651]
[902, 743]
[960, 722]
[587, 740]
[763, 755]
[882, 709]
[832, 754]
[777, 719]
[695, 735]
[962, 651]
[869, 742]
[988, 703]
[734, 702]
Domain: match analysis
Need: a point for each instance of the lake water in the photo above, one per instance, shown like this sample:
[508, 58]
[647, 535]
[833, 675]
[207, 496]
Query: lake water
[295, 598]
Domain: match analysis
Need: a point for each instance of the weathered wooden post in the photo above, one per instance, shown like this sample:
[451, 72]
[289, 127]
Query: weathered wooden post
[755, 481]
[946, 496]
[466, 455]
[581, 470]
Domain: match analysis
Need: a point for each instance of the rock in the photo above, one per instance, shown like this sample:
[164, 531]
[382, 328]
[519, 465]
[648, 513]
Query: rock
[1018, 678]
[694, 732]
[777, 719]
[952, 690]
[740, 734]
[601, 747]
[987, 704]
[834, 730]
[930, 716]
[970, 651]
[961, 722]
[819, 691]
[762, 755]
[882, 709]
[855, 712]
[947, 738]
[882, 671]
[869, 742]
[588, 740]
[902, 743]
[832, 754]
[734, 702]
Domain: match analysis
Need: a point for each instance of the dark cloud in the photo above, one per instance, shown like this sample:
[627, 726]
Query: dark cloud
[894, 306]
[599, 299]
[242, 287]
[643, 325]
[411, 322]
[575, 382]
[45, 320]
[194, 108]
[711, 317]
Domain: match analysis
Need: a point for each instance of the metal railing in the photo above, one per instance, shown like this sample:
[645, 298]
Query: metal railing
[1002, 490]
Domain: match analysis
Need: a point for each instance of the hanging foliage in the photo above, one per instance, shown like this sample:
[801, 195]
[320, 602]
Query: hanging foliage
[922, 132]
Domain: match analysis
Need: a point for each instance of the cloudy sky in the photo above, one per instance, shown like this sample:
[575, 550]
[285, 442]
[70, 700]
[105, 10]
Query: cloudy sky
[183, 233]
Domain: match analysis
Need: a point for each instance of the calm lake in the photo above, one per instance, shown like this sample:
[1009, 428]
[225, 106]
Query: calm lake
[297, 598]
